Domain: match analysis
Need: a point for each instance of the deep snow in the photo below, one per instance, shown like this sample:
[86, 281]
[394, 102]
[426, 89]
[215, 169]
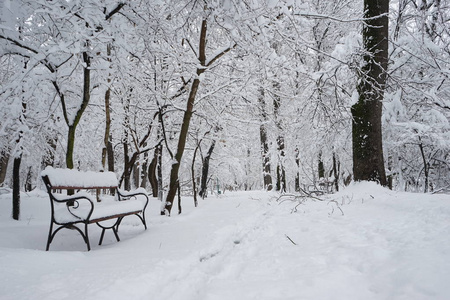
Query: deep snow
[240, 245]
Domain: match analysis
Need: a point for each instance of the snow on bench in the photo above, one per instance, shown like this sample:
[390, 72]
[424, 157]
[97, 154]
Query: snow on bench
[83, 208]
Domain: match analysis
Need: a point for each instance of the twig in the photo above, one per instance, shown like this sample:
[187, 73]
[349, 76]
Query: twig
[290, 239]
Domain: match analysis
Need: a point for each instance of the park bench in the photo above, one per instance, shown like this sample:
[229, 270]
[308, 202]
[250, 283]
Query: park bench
[84, 208]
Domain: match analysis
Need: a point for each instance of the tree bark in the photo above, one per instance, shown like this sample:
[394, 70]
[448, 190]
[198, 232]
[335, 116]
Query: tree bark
[336, 167]
[107, 113]
[320, 167]
[144, 170]
[297, 174]
[425, 165]
[281, 173]
[205, 171]
[152, 178]
[267, 177]
[4, 160]
[368, 161]
[16, 187]
[194, 185]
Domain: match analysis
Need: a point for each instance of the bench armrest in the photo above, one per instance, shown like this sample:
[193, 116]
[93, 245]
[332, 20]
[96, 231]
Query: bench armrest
[126, 195]
[79, 206]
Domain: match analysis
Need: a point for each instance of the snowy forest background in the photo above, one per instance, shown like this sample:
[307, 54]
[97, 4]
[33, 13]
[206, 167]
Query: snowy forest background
[105, 85]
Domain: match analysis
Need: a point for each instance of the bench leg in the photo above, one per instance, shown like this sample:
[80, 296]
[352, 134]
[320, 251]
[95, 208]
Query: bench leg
[84, 234]
[50, 236]
[86, 237]
[113, 227]
[101, 236]
[115, 233]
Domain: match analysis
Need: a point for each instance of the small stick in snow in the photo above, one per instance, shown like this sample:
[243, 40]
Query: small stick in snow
[290, 239]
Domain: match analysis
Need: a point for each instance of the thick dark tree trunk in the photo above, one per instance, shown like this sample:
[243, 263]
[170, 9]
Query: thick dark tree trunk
[368, 161]
[205, 170]
[16, 187]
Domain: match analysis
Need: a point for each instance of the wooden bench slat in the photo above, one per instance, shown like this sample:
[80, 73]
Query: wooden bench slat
[114, 217]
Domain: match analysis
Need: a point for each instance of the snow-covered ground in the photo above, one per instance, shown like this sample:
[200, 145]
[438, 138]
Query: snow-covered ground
[366, 243]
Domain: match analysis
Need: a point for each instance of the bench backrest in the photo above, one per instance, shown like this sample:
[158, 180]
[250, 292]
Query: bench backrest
[74, 179]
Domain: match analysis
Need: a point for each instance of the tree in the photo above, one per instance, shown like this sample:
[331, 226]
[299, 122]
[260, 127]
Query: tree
[368, 160]
[203, 65]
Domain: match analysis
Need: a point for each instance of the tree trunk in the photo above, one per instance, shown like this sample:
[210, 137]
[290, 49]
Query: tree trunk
[159, 174]
[281, 173]
[144, 174]
[320, 167]
[173, 183]
[194, 185]
[127, 165]
[205, 171]
[107, 113]
[110, 151]
[107, 129]
[4, 160]
[368, 161]
[136, 174]
[16, 187]
[425, 166]
[179, 198]
[267, 177]
[127, 168]
[297, 174]
[336, 167]
[84, 103]
[152, 178]
[70, 146]
[28, 181]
